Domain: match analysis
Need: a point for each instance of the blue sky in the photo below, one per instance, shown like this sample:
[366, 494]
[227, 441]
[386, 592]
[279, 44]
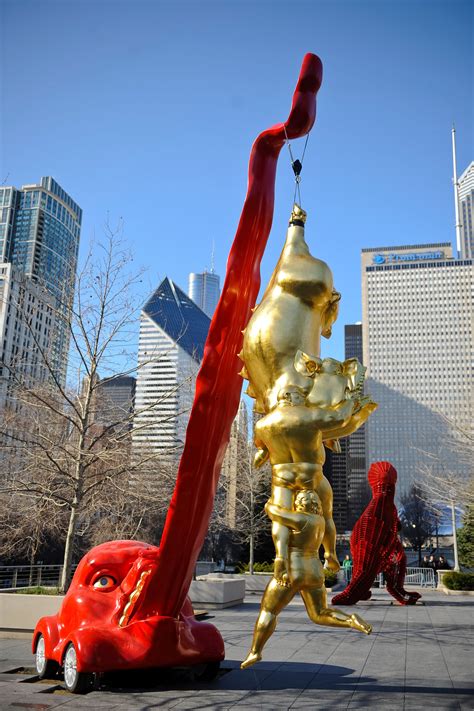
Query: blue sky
[147, 111]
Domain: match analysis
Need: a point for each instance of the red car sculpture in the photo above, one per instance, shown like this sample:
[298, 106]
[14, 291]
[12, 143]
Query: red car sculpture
[106, 622]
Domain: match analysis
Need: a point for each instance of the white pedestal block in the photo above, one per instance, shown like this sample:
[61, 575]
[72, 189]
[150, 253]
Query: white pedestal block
[211, 592]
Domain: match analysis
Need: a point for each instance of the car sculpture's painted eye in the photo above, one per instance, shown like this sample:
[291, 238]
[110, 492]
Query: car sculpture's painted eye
[104, 582]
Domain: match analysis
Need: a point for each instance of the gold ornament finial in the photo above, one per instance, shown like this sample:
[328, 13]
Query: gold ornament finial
[298, 215]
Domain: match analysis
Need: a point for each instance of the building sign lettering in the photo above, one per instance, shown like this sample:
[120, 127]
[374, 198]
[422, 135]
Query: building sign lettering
[413, 257]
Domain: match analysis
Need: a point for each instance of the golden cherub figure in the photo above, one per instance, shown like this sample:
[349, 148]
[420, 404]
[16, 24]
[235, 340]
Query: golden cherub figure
[306, 575]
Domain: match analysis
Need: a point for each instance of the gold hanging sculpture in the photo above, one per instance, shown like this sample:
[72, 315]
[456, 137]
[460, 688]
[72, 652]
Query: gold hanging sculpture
[306, 402]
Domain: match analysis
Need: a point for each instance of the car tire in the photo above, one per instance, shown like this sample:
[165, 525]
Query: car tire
[75, 681]
[45, 668]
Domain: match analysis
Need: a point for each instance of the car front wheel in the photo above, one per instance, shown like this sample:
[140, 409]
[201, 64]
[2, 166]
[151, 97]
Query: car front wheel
[75, 681]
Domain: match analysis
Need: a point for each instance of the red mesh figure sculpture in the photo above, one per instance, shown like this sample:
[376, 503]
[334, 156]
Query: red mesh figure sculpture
[375, 546]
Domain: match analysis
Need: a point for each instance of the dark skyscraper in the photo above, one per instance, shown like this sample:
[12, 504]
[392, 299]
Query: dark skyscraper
[335, 470]
[117, 398]
[358, 494]
[347, 471]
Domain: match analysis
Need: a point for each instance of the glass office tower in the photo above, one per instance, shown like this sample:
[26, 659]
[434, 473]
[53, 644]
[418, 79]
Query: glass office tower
[40, 227]
[204, 290]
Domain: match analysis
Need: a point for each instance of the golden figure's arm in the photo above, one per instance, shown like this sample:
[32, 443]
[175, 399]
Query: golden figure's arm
[365, 407]
[261, 456]
[290, 519]
[332, 419]
[262, 453]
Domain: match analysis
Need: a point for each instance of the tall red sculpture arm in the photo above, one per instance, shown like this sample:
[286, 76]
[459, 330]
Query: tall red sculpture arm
[218, 384]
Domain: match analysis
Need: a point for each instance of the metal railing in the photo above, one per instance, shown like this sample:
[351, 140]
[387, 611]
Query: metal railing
[15, 577]
[27, 576]
[421, 577]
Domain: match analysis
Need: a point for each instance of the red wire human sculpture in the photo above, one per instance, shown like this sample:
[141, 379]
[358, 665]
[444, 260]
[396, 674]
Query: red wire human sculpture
[375, 546]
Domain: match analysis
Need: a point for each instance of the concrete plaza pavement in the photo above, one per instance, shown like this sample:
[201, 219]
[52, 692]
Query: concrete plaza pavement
[417, 657]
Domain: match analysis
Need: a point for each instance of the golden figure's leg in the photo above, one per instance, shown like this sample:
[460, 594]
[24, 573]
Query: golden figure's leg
[324, 491]
[281, 496]
[275, 598]
[316, 606]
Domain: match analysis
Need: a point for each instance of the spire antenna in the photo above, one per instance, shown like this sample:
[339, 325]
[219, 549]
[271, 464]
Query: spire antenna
[456, 194]
[212, 257]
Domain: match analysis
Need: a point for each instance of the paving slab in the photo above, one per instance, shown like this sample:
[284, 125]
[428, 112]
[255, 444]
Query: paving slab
[417, 657]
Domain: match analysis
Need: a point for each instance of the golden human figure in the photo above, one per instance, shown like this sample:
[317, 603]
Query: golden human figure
[306, 575]
[292, 437]
[306, 402]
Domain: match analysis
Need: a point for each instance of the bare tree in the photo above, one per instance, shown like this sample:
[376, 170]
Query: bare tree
[63, 446]
[448, 487]
[243, 491]
[254, 490]
[416, 518]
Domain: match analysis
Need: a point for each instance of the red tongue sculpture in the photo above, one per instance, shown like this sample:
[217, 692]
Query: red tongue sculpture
[218, 384]
[127, 605]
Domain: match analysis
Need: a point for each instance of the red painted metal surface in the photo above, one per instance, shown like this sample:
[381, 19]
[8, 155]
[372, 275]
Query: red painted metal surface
[90, 613]
[375, 546]
[218, 384]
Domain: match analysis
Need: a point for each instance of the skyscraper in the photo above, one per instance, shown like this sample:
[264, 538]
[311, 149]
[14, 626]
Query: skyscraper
[466, 209]
[27, 325]
[204, 290]
[347, 470]
[358, 493]
[418, 348]
[173, 331]
[335, 470]
[236, 458]
[116, 404]
[40, 228]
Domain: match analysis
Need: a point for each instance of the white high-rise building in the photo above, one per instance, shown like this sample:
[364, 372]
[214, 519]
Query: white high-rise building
[204, 290]
[466, 209]
[173, 331]
[27, 325]
[233, 482]
[417, 305]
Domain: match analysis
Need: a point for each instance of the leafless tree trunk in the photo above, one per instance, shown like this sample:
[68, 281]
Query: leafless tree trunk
[244, 490]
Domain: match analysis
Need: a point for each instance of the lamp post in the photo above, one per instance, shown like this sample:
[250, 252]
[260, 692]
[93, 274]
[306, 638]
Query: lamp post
[455, 538]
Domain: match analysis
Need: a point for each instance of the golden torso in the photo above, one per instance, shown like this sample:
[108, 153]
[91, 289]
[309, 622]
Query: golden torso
[290, 436]
[289, 318]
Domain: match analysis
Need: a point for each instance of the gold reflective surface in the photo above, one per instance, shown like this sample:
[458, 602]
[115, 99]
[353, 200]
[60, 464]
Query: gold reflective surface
[306, 402]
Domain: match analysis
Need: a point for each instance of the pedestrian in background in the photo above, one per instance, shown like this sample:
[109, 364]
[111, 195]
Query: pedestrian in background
[347, 568]
[443, 563]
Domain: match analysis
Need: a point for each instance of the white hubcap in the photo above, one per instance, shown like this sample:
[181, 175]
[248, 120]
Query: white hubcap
[40, 656]
[70, 667]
